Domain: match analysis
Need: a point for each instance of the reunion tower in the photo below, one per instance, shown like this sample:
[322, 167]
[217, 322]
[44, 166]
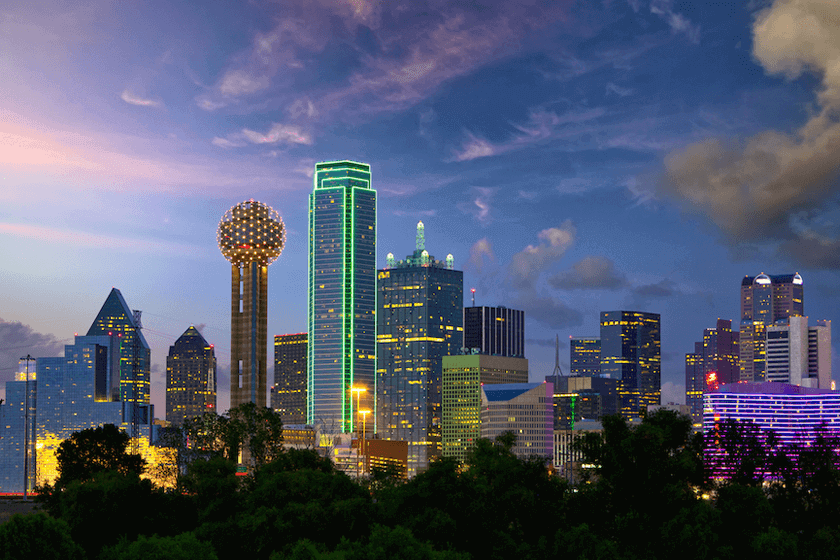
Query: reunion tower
[251, 237]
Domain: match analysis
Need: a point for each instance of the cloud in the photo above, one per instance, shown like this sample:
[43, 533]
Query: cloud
[302, 108]
[279, 133]
[226, 143]
[16, 340]
[132, 99]
[677, 22]
[474, 148]
[527, 265]
[548, 310]
[481, 253]
[620, 91]
[673, 393]
[590, 273]
[762, 187]
[479, 207]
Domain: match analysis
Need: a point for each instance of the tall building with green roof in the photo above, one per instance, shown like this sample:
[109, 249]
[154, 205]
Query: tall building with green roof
[342, 298]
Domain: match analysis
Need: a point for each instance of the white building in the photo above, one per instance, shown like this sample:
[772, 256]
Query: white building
[799, 354]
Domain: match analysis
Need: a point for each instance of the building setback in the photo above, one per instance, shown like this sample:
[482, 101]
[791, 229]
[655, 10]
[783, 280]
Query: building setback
[342, 297]
[190, 378]
[461, 396]
[630, 352]
[419, 321]
[288, 395]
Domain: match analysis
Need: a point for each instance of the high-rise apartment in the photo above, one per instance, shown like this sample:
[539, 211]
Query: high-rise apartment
[494, 331]
[288, 396]
[630, 352]
[419, 321]
[116, 318]
[463, 377]
[799, 354]
[251, 237]
[190, 377]
[342, 297]
[585, 356]
[765, 300]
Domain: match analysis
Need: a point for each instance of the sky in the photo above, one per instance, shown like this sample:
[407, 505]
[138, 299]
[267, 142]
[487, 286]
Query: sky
[574, 157]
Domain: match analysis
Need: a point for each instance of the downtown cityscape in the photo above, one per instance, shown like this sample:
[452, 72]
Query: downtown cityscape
[383, 241]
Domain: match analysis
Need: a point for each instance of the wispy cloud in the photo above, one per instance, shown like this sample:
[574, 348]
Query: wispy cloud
[475, 147]
[280, 133]
[481, 254]
[133, 99]
[226, 143]
[480, 206]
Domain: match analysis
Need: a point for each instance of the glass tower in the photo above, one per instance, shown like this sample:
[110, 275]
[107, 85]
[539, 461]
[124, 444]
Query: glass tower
[585, 356]
[630, 352]
[495, 331]
[116, 318]
[288, 396]
[419, 321]
[342, 297]
[190, 378]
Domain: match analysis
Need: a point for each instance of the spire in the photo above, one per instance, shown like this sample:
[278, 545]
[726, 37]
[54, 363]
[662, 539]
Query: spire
[421, 237]
[557, 371]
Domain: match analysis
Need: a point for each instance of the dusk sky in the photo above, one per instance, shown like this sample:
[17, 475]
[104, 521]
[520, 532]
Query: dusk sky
[574, 157]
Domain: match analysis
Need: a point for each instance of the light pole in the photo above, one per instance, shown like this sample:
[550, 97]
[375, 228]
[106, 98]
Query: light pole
[358, 391]
[363, 445]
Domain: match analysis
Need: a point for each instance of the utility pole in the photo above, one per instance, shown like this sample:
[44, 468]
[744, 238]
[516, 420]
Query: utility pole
[26, 434]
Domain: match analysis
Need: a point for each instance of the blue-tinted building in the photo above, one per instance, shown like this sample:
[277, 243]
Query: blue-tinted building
[419, 321]
[630, 352]
[342, 297]
[585, 356]
[116, 318]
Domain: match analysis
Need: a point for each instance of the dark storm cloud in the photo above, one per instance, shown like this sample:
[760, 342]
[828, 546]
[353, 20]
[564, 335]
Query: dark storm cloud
[17, 340]
[590, 273]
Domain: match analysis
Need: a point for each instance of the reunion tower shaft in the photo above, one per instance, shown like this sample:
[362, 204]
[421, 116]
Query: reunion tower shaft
[251, 236]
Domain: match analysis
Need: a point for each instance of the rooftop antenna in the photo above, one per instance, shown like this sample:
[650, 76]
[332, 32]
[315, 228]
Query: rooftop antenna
[473, 296]
[557, 371]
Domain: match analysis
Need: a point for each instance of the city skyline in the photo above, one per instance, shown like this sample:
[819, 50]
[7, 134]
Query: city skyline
[574, 158]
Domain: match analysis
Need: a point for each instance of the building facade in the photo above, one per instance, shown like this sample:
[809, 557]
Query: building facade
[765, 300]
[630, 352]
[715, 360]
[523, 409]
[342, 296]
[461, 396]
[288, 395]
[494, 331]
[799, 354]
[190, 377]
[116, 318]
[585, 356]
[419, 321]
[582, 398]
[251, 237]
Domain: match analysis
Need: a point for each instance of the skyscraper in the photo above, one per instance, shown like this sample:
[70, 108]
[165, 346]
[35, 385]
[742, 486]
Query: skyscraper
[342, 297]
[764, 300]
[419, 320]
[716, 356]
[799, 354]
[525, 410]
[630, 352]
[116, 318]
[190, 378]
[251, 236]
[495, 331]
[288, 396]
[585, 356]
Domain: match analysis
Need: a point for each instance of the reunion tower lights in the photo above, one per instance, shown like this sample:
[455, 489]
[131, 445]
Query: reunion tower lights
[251, 237]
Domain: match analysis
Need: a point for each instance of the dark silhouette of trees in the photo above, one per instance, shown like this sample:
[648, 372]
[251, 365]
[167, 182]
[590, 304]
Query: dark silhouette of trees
[89, 452]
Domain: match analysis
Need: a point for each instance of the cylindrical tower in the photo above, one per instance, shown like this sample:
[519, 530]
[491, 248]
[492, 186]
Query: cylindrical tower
[251, 236]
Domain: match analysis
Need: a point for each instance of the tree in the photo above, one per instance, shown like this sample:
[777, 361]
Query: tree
[95, 450]
[37, 535]
[181, 547]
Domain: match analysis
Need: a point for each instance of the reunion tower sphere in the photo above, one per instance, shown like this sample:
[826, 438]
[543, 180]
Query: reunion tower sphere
[251, 232]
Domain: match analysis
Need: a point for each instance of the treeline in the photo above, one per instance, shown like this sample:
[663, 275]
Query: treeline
[647, 496]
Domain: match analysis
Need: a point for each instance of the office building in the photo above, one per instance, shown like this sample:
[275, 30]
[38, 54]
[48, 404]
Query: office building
[794, 413]
[494, 331]
[288, 395]
[190, 378]
[581, 398]
[419, 321]
[251, 237]
[463, 377]
[116, 318]
[585, 356]
[521, 408]
[799, 354]
[342, 296]
[630, 352]
[715, 360]
[765, 300]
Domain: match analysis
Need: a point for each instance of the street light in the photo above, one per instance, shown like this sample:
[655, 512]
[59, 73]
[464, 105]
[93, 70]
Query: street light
[358, 391]
[364, 414]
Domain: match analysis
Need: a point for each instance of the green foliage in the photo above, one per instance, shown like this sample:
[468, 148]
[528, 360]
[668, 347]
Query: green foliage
[396, 543]
[180, 547]
[89, 452]
[37, 536]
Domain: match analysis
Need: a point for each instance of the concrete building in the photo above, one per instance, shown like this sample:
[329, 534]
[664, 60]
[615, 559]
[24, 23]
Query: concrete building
[799, 354]
[523, 409]
[419, 321]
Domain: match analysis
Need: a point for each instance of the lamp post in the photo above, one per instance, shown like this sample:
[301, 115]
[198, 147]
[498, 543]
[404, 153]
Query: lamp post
[358, 391]
[363, 445]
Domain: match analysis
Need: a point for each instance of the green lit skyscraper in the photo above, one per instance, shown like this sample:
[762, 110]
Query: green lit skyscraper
[342, 297]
